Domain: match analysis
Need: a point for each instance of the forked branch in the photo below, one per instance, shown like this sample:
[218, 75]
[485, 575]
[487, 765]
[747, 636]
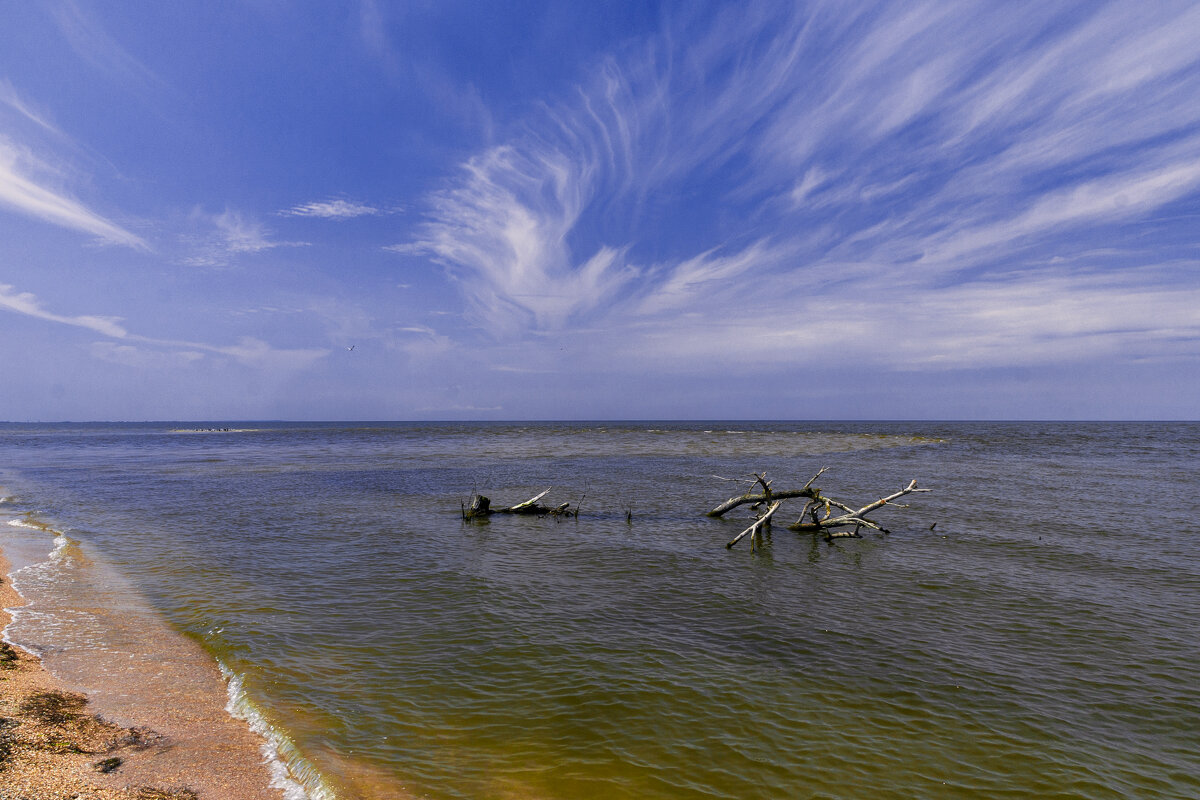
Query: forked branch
[818, 512]
[767, 495]
[853, 517]
[758, 525]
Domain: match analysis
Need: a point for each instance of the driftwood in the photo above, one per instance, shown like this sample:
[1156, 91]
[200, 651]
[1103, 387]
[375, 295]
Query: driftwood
[855, 517]
[760, 523]
[766, 495]
[481, 508]
[811, 519]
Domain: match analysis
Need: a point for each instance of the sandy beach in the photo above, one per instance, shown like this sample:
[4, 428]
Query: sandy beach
[54, 745]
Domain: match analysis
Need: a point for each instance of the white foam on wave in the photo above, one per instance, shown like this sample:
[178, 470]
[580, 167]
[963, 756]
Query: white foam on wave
[291, 772]
[13, 614]
[52, 559]
[16, 579]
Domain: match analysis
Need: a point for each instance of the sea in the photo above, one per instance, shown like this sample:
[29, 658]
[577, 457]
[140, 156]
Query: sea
[1029, 627]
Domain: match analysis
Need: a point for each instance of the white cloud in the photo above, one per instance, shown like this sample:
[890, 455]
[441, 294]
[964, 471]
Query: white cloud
[248, 351]
[23, 193]
[8, 96]
[504, 225]
[257, 353]
[420, 342]
[141, 357]
[872, 326]
[1101, 200]
[814, 178]
[331, 209]
[231, 234]
[241, 235]
[1141, 56]
[95, 45]
[383, 27]
[27, 304]
[705, 276]
[407, 249]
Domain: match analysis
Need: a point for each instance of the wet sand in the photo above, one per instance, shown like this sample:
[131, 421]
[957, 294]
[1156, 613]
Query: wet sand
[56, 744]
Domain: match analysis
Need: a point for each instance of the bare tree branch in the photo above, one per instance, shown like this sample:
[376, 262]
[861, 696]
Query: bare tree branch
[856, 517]
[759, 523]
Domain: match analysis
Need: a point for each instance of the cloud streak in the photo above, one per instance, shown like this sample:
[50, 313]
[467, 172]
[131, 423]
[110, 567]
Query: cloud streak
[8, 96]
[231, 235]
[92, 42]
[248, 351]
[24, 194]
[27, 304]
[331, 209]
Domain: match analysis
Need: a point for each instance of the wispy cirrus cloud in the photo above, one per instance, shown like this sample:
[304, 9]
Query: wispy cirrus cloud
[505, 224]
[130, 355]
[383, 28]
[34, 180]
[332, 209]
[882, 178]
[239, 234]
[226, 236]
[28, 304]
[10, 98]
[23, 190]
[131, 349]
[1070, 312]
[1115, 197]
[92, 42]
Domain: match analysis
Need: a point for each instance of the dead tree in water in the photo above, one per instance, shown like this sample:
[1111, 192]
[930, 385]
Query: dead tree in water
[766, 496]
[811, 520]
[481, 508]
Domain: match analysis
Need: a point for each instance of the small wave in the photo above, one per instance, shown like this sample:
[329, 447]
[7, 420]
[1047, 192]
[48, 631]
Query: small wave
[291, 772]
[42, 571]
[12, 619]
[67, 551]
[35, 570]
[26, 522]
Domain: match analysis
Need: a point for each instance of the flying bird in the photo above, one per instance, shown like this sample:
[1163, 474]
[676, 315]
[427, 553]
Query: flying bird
[351, 347]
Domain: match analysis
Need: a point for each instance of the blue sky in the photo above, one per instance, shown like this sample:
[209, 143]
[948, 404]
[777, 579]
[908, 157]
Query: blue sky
[599, 210]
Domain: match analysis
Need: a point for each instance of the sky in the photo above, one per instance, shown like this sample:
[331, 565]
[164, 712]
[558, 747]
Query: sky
[618, 210]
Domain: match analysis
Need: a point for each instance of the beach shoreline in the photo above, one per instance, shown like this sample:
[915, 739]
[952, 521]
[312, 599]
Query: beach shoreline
[55, 743]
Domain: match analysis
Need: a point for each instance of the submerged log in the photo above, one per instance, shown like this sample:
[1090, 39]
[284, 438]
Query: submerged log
[854, 534]
[480, 508]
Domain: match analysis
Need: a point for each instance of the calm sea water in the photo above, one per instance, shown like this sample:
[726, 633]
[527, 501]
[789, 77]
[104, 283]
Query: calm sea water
[1042, 640]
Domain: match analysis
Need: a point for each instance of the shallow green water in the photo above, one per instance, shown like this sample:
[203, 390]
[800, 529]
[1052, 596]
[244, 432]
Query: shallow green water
[1042, 640]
